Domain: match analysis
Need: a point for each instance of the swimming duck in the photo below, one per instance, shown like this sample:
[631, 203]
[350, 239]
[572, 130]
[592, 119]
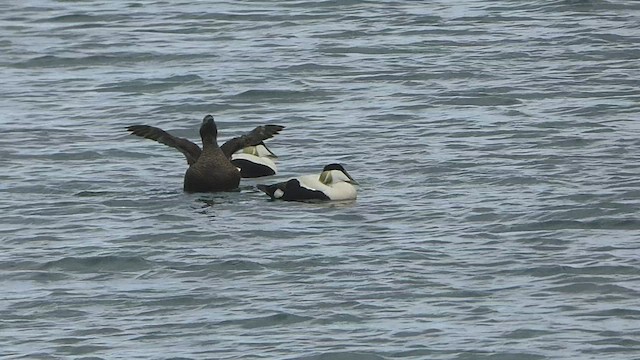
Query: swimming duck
[210, 168]
[255, 161]
[334, 183]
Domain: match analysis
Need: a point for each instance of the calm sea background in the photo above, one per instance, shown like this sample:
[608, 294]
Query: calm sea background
[497, 144]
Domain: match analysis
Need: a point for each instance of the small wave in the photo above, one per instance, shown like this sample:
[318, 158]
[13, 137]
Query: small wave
[597, 224]
[191, 109]
[64, 314]
[38, 276]
[343, 355]
[278, 319]
[73, 18]
[82, 26]
[489, 100]
[81, 349]
[109, 263]
[526, 333]
[165, 303]
[555, 270]
[96, 331]
[310, 67]
[52, 61]
[95, 193]
[269, 93]
[340, 318]
[278, 95]
[150, 85]
[616, 312]
[237, 265]
[593, 288]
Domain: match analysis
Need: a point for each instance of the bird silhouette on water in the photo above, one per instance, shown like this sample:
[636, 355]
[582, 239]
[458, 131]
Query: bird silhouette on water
[210, 168]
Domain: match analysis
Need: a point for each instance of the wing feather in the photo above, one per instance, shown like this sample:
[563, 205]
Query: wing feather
[190, 150]
[254, 137]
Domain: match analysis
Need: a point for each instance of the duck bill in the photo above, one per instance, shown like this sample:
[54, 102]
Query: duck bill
[270, 153]
[351, 180]
[208, 120]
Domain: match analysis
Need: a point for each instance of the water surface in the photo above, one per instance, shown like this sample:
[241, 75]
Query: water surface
[496, 144]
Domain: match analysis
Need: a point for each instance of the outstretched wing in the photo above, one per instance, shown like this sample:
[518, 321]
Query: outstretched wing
[190, 150]
[252, 138]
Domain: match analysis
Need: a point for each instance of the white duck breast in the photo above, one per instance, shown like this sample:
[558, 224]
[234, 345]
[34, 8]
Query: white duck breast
[334, 183]
[255, 161]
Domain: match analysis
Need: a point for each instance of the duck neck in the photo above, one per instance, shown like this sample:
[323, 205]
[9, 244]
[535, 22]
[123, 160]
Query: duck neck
[209, 141]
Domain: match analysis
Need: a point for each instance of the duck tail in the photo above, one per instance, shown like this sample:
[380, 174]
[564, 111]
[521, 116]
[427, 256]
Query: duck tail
[271, 190]
[267, 189]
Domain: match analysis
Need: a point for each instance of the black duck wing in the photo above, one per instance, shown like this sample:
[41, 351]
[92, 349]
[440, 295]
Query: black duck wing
[190, 150]
[292, 190]
[250, 139]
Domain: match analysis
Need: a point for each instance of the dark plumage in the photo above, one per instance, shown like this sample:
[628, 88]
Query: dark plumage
[210, 168]
[292, 190]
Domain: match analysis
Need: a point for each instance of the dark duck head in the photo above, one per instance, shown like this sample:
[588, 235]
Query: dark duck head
[209, 131]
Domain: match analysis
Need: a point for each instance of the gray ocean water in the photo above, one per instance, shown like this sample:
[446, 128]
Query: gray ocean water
[497, 144]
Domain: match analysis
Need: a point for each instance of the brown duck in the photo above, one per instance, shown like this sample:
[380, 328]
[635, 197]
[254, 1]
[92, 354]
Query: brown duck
[210, 168]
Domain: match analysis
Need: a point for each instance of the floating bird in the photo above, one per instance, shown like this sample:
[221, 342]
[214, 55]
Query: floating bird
[210, 169]
[334, 183]
[255, 161]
